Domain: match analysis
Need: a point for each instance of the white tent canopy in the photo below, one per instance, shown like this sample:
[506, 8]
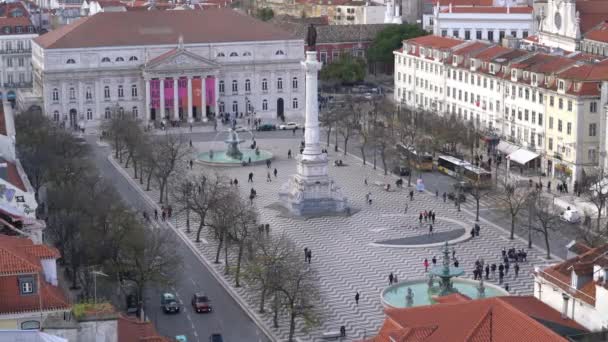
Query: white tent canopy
[522, 156]
[506, 147]
[29, 336]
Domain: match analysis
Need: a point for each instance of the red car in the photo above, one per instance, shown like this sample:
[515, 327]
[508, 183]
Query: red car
[201, 303]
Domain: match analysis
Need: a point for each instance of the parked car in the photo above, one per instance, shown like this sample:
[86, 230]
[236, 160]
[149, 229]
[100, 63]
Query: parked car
[289, 125]
[401, 171]
[169, 303]
[570, 216]
[465, 186]
[216, 338]
[201, 303]
[267, 127]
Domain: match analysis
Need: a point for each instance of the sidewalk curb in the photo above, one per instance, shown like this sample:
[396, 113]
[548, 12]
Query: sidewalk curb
[237, 298]
[534, 246]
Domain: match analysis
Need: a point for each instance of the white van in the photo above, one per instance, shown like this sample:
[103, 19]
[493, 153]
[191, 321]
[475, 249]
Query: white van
[570, 216]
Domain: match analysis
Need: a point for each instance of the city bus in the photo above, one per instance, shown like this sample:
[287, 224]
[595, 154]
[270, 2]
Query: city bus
[450, 165]
[420, 161]
[477, 175]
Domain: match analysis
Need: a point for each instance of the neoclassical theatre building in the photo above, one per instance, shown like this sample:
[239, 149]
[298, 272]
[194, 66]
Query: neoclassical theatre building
[178, 65]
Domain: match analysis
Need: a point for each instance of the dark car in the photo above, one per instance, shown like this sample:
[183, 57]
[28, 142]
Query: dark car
[267, 127]
[201, 303]
[169, 303]
[216, 338]
[465, 186]
[401, 171]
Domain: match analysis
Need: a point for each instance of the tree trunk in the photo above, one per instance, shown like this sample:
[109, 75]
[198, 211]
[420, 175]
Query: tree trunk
[328, 135]
[188, 220]
[383, 157]
[238, 263]
[149, 179]
[362, 148]
[262, 299]
[201, 225]
[162, 190]
[375, 153]
[345, 144]
[512, 227]
[477, 211]
[546, 234]
[275, 309]
[292, 325]
[127, 161]
[226, 267]
[219, 250]
[141, 175]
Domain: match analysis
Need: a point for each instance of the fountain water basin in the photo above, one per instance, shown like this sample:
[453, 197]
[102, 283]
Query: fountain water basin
[233, 155]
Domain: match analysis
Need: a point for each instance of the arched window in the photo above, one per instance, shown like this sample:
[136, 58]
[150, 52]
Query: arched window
[133, 59]
[89, 114]
[87, 93]
[221, 54]
[279, 53]
[279, 83]
[246, 53]
[294, 103]
[234, 54]
[221, 107]
[264, 104]
[107, 113]
[235, 107]
[134, 90]
[135, 112]
[70, 61]
[235, 86]
[30, 325]
[105, 60]
[294, 83]
[247, 85]
[121, 113]
[72, 94]
[56, 116]
[264, 84]
[221, 87]
[120, 59]
[106, 92]
[121, 92]
[55, 94]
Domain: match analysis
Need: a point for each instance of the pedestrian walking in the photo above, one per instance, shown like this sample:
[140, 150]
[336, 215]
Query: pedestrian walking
[191, 143]
[294, 131]
[250, 179]
[275, 172]
[357, 296]
[191, 164]
[405, 209]
[390, 278]
[507, 268]
[501, 275]
[289, 154]
[487, 271]
[433, 217]
[268, 179]
[507, 287]
[453, 253]
[444, 197]
[426, 265]
[163, 215]
[267, 228]
[367, 195]
[420, 218]
[309, 255]
[456, 263]
[411, 195]
[436, 193]
[365, 181]
[430, 229]
[236, 182]
[305, 253]
[516, 269]
[493, 269]
[426, 215]
[434, 260]
[155, 214]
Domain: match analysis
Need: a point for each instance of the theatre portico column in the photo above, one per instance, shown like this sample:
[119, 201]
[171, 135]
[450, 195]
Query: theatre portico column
[190, 99]
[147, 100]
[162, 99]
[203, 99]
[216, 93]
[175, 100]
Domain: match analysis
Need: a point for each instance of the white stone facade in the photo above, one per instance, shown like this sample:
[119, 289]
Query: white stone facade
[15, 66]
[72, 82]
[358, 13]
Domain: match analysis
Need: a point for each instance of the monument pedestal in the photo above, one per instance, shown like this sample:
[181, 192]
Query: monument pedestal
[311, 192]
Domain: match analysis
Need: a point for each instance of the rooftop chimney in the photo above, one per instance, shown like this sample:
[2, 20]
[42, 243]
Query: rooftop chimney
[565, 306]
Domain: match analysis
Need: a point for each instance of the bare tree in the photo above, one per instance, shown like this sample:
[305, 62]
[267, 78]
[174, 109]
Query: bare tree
[170, 152]
[246, 220]
[597, 191]
[223, 218]
[479, 189]
[513, 200]
[546, 217]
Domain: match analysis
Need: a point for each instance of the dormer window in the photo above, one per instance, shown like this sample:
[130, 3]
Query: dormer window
[6, 29]
[560, 85]
[514, 74]
[133, 59]
[491, 68]
[105, 60]
[19, 29]
[246, 53]
[120, 59]
[279, 53]
[455, 59]
[70, 61]
[234, 54]
[525, 75]
[534, 79]
[422, 51]
[221, 54]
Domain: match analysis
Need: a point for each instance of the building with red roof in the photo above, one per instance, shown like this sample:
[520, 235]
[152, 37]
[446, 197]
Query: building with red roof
[578, 287]
[543, 106]
[29, 288]
[497, 319]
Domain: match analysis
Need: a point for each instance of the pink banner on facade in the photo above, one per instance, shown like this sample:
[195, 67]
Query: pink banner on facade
[196, 92]
[182, 92]
[168, 93]
[155, 94]
[210, 91]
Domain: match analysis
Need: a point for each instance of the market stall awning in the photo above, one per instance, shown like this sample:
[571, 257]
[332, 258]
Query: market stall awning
[506, 147]
[522, 156]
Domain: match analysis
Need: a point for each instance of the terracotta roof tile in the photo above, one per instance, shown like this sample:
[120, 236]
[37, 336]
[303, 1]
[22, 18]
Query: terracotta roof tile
[598, 33]
[592, 12]
[12, 175]
[52, 298]
[491, 53]
[470, 48]
[489, 9]
[435, 42]
[462, 2]
[12, 263]
[160, 28]
[131, 329]
[20, 255]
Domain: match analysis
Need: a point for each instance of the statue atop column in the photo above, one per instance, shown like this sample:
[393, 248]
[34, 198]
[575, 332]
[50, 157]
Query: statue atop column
[311, 38]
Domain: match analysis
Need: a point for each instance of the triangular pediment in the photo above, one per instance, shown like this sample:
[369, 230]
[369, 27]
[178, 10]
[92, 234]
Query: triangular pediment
[179, 58]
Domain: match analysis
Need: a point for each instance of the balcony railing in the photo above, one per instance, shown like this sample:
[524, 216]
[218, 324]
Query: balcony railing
[15, 51]
[17, 84]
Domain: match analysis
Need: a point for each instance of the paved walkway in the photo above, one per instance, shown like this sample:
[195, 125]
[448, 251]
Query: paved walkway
[343, 250]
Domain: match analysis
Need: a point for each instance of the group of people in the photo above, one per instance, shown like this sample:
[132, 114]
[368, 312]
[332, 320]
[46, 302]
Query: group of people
[427, 216]
[307, 254]
[475, 230]
[392, 279]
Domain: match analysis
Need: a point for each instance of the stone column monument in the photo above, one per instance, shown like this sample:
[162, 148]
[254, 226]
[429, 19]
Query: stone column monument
[310, 192]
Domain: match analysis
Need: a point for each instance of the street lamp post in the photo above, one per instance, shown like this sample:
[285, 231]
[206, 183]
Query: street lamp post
[95, 274]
